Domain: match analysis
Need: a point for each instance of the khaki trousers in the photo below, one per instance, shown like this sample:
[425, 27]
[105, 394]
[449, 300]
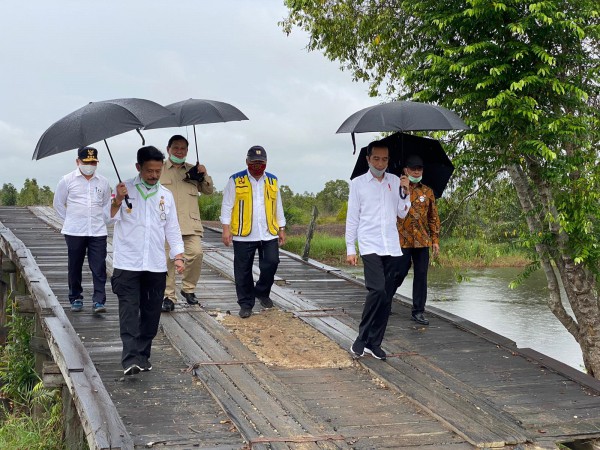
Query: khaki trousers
[193, 266]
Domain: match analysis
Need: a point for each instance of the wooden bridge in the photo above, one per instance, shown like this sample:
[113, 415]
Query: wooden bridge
[453, 384]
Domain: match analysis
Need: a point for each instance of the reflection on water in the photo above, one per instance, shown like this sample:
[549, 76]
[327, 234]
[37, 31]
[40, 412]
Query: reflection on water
[519, 314]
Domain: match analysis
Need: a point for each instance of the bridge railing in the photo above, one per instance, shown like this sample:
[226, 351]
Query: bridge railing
[97, 414]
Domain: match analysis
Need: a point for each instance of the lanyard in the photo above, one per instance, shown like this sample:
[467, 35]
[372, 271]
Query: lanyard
[143, 194]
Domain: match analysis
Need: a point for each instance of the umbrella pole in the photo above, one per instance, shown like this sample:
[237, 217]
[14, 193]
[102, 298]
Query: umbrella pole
[127, 202]
[196, 142]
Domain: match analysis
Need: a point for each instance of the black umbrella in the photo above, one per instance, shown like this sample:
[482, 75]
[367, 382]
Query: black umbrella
[402, 116]
[437, 167]
[196, 112]
[98, 121]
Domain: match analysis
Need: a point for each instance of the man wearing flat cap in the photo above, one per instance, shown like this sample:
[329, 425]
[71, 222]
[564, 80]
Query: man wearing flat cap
[418, 231]
[82, 200]
[253, 220]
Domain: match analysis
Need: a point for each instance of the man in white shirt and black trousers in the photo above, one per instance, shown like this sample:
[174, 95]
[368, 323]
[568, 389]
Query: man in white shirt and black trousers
[140, 268]
[376, 199]
[82, 200]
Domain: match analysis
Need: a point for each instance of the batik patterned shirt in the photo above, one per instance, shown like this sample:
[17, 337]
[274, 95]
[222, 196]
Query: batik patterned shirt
[421, 226]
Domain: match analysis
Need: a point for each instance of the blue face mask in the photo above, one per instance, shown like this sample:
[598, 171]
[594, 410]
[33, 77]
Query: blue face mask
[176, 160]
[415, 179]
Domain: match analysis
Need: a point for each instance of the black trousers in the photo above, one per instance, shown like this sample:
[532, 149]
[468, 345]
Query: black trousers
[419, 257]
[380, 281]
[96, 253]
[243, 259]
[140, 300]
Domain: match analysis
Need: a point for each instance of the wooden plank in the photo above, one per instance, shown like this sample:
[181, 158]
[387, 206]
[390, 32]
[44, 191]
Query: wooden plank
[480, 422]
[225, 394]
[103, 426]
[265, 377]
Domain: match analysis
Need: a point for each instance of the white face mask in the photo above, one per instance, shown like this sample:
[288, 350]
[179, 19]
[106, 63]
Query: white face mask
[87, 169]
[376, 172]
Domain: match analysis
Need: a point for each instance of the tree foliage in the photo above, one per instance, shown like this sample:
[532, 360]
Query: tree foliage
[8, 195]
[31, 194]
[524, 74]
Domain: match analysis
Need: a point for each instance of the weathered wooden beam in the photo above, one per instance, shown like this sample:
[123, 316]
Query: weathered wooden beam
[90, 400]
[104, 428]
[39, 344]
[8, 266]
[74, 435]
[25, 304]
[52, 376]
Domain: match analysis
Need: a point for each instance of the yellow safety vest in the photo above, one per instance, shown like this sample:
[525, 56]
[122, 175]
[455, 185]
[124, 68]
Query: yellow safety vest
[241, 216]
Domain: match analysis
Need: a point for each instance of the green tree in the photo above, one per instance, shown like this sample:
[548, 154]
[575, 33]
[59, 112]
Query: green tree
[525, 75]
[333, 196]
[31, 194]
[8, 195]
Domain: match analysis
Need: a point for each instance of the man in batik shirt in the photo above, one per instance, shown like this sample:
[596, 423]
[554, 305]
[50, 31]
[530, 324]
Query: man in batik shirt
[418, 231]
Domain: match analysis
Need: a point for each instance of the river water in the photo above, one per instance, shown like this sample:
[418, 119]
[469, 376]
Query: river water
[520, 314]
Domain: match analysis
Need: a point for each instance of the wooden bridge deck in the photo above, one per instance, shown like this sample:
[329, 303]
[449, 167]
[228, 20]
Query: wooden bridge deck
[452, 384]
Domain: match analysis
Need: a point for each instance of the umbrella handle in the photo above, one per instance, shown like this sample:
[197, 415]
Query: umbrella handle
[127, 202]
[141, 135]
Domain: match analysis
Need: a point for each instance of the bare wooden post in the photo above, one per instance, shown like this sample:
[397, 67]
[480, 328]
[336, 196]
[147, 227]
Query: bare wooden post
[74, 436]
[6, 269]
[310, 232]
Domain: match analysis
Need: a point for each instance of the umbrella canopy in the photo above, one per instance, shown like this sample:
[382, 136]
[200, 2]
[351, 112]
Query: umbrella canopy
[402, 116]
[437, 167]
[197, 111]
[97, 121]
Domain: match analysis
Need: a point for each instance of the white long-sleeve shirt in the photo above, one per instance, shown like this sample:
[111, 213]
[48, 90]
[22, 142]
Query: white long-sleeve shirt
[140, 233]
[260, 230]
[84, 205]
[371, 218]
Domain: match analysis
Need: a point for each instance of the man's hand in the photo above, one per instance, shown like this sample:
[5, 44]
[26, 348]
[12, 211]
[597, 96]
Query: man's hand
[436, 250]
[281, 234]
[351, 259]
[404, 184]
[226, 237]
[179, 262]
[120, 192]
[196, 173]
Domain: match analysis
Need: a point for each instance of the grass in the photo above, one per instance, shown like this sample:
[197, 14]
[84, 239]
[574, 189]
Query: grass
[21, 431]
[325, 248]
[22, 392]
[456, 253]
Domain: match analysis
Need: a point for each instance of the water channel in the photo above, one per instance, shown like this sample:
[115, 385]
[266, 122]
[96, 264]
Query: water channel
[520, 314]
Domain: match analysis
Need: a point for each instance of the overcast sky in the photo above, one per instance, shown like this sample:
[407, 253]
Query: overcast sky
[59, 55]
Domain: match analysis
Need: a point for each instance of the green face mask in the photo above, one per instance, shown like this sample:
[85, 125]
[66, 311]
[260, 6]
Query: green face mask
[149, 186]
[414, 179]
[177, 160]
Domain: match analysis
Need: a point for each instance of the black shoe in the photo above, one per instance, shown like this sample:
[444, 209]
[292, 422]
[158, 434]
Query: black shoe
[376, 352]
[358, 349]
[420, 318]
[266, 302]
[245, 312]
[168, 305]
[190, 297]
[132, 370]
[147, 367]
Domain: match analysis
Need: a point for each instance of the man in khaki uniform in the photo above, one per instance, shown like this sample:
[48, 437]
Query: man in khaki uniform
[185, 181]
